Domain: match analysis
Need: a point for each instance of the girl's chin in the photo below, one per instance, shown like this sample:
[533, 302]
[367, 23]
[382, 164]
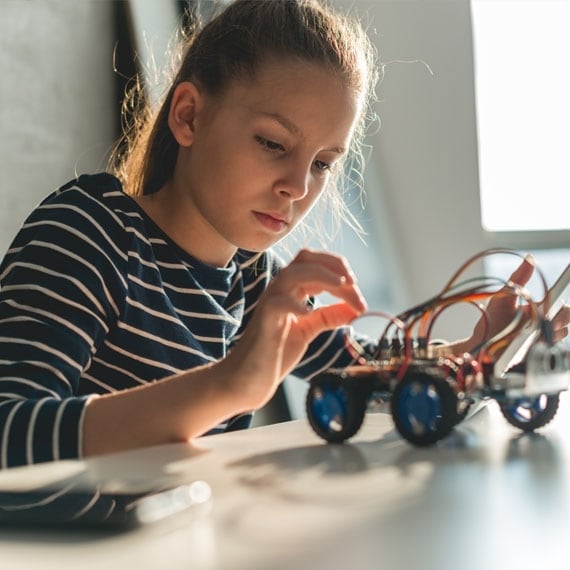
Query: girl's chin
[259, 245]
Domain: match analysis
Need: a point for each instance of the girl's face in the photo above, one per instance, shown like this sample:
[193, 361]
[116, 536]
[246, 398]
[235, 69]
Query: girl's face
[253, 162]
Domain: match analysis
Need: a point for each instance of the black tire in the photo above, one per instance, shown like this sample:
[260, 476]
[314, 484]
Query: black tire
[424, 408]
[335, 408]
[532, 413]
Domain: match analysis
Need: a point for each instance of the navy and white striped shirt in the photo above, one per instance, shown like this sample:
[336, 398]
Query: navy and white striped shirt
[95, 298]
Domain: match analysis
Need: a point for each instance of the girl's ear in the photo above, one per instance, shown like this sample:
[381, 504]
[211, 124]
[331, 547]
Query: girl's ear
[186, 103]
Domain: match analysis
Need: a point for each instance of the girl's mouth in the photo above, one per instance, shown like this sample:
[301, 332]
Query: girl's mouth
[270, 222]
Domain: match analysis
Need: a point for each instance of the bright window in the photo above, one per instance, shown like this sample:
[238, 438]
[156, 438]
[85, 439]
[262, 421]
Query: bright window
[522, 50]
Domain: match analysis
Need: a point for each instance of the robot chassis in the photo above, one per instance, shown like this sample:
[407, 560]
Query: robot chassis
[430, 393]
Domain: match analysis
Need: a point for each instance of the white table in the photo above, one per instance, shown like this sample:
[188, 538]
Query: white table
[486, 497]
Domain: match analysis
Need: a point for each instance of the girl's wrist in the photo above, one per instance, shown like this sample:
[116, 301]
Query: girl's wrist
[232, 384]
[246, 384]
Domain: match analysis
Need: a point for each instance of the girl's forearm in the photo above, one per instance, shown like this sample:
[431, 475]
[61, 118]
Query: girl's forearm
[173, 410]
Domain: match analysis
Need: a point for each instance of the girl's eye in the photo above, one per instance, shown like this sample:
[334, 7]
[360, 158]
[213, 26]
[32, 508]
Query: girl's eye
[322, 166]
[269, 145]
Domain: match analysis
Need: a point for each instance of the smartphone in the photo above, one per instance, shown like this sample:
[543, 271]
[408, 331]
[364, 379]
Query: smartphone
[32, 497]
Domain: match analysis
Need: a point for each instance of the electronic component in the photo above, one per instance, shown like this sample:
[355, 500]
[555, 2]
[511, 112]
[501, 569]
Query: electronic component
[430, 391]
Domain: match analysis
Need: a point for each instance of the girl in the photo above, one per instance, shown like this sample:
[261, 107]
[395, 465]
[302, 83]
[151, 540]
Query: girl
[145, 306]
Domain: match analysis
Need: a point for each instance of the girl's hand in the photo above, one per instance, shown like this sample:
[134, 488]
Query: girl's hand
[284, 324]
[502, 309]
[560, 324]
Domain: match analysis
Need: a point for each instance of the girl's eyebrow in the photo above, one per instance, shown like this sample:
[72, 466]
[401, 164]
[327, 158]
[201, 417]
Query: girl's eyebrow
[294, 129]
[284, 121]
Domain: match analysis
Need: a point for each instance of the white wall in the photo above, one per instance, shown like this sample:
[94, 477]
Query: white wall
[56, 98]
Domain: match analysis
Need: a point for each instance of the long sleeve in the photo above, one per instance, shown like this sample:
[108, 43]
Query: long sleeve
[62, 287]
[329, 350]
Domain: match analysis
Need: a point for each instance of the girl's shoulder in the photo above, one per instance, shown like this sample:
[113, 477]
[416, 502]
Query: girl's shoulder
[95, 201]
[88, 219]
[93, 192]
[91, 209]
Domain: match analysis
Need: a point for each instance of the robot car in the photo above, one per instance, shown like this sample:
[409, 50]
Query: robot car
[430, 389]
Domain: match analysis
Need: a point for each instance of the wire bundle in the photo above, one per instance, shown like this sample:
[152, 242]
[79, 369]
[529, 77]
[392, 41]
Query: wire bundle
[407, 336]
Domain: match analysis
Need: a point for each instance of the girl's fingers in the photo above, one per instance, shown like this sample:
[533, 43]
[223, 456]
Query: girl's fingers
[562, 317]
[336, 263]
[560, 334]
[311, 274]
[524, 271]
[560, 324]
[327, 318]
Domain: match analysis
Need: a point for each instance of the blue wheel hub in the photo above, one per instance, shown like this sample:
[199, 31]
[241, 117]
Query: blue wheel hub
[525, 409]
[419, 408]
[329, 407]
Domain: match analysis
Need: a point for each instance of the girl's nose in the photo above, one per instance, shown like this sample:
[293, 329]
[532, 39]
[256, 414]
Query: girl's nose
[295, 185]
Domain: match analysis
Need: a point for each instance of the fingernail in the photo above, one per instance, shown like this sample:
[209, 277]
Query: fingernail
[529, 258]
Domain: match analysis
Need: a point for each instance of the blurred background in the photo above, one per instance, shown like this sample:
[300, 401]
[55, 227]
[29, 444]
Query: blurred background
[470, 151]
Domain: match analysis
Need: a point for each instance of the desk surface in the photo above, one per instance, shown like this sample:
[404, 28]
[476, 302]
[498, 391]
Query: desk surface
[486, 497]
